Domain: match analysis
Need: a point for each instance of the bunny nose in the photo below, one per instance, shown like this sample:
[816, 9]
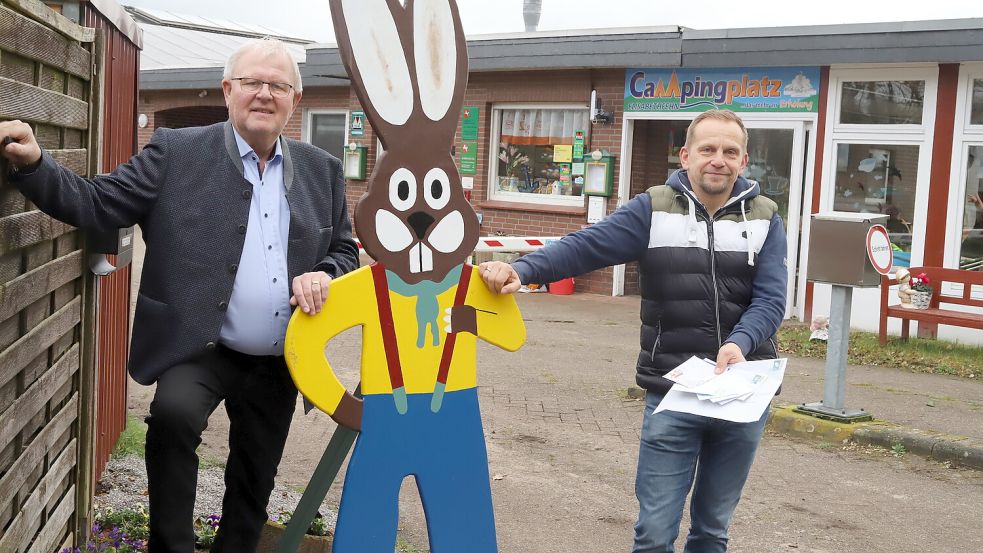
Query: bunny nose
[420, 222]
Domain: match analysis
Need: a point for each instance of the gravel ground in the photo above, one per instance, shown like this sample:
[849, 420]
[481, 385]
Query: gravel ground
[124, 483]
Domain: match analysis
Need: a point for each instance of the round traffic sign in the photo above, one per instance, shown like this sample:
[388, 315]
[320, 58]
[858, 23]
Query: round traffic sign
[879, 249]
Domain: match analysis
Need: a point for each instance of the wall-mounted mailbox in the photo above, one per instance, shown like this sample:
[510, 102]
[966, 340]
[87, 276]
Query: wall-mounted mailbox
[599, 175]
[355, 161]
[838, 249]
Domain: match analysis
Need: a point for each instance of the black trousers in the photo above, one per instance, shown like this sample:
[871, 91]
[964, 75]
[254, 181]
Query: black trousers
[259, 397]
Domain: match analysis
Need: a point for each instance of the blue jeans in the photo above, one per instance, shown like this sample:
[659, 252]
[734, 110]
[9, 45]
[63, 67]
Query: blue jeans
[675, 447]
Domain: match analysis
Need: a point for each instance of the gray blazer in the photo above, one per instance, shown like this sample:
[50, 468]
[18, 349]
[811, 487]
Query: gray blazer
[187, 192]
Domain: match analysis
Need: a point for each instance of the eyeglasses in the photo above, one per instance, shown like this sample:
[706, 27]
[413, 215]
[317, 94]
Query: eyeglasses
[252, 86]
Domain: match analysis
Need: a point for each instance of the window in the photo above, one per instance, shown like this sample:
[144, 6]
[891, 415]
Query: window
[327, 130]
[534, 150]
[976, 109]
[882, 102]
[879, 178]
[971, 240]
[879, 148]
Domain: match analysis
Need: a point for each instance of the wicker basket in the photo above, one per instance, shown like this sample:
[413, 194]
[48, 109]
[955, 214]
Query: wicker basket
[921, 299]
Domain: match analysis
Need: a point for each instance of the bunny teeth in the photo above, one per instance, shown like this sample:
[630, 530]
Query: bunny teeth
[421, 259]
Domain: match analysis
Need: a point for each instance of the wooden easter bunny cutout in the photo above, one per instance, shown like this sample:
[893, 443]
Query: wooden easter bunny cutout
[421, 306]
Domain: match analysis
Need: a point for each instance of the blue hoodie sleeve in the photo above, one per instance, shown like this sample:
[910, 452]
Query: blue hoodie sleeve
[768, 293]
[619, 238]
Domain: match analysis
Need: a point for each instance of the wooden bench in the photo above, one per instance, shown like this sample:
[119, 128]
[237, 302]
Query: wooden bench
[934, 314]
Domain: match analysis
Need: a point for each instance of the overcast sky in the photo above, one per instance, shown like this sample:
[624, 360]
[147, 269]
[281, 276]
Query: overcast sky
[310, 18]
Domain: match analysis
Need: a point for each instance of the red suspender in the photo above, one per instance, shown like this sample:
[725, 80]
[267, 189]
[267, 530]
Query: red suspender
[448, 353]
[386, 324]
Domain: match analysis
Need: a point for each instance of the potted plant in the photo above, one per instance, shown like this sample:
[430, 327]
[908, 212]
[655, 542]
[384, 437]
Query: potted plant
[317, 539]
[514, 160]
[921, 291]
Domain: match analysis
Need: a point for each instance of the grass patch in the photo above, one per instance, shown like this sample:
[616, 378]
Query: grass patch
[916, 355]
[207, 462]
[133, 438]
[403, 546]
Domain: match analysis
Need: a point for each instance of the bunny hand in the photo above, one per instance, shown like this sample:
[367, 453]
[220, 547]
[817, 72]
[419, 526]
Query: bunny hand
[349, 412]
[461, 318]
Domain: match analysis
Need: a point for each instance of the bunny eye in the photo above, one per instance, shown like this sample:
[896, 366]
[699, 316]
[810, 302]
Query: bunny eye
[436, 188]
[402, 189]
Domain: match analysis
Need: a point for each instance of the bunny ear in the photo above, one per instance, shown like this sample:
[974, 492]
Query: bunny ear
[440, 55]
[369, 42]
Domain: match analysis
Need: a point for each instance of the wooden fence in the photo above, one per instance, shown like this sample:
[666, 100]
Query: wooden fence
[47, 78]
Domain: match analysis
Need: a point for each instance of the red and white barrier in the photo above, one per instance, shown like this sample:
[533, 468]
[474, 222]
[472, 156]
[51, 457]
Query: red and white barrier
[512, 243]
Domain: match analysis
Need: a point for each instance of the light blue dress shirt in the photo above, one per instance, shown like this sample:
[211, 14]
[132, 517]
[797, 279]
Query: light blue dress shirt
[259, 310]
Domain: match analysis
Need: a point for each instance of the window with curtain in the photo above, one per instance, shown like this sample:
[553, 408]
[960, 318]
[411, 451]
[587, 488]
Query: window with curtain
[528, 167]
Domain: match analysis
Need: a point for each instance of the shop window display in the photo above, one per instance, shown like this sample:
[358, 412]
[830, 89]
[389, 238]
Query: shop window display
[535, 152]
[882, 102]
[877, 178]
[971, 244]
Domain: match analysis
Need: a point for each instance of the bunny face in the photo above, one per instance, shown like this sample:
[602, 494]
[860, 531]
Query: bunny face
[409, 69]
[415, 219]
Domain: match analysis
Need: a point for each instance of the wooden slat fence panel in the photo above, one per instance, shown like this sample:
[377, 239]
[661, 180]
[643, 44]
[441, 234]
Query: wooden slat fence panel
[35, 104]
[46, 74]
[33, 40]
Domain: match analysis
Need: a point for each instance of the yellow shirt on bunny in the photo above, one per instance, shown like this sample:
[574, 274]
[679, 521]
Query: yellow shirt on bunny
[353, 301]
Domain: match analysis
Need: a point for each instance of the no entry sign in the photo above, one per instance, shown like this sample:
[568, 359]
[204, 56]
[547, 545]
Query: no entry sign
[879, 249]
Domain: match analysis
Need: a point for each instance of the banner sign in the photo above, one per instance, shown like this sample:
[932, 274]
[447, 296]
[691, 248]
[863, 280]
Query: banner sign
[760, 89]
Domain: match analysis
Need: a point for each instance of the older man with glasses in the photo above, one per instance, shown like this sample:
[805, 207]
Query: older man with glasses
[241, 225]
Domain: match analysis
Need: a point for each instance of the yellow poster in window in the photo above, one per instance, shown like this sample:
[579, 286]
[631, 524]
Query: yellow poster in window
[563, 153]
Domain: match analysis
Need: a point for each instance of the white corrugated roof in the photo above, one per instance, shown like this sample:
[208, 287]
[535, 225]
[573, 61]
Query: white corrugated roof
[177, 41]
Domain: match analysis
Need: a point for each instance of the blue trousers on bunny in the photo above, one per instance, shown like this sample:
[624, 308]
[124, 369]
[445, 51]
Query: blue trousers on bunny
[446, 453]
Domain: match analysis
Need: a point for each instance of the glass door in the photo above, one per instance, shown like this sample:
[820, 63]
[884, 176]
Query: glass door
[776, 160]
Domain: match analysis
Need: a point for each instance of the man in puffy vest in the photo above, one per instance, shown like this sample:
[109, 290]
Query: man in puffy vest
[711, 262]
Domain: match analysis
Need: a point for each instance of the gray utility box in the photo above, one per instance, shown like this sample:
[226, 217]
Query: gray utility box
[838, 248]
